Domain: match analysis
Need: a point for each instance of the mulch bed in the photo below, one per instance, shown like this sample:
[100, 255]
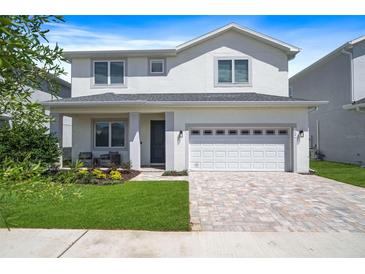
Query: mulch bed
[127, 175]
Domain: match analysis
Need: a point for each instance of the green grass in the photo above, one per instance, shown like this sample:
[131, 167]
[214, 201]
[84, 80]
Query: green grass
[346, 173]
[161, 206]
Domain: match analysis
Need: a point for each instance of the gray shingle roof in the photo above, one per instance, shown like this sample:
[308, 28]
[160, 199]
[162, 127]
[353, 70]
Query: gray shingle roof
[181, 97]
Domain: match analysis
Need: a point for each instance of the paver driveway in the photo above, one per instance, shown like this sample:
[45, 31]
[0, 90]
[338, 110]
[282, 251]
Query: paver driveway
[274, 201]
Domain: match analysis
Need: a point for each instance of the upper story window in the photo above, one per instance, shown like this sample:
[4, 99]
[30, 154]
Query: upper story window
[232, 71]
[109, 72]
[157, 66]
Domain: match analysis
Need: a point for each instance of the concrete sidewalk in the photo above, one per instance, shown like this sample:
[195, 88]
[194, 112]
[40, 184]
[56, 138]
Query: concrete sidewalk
[117, 243]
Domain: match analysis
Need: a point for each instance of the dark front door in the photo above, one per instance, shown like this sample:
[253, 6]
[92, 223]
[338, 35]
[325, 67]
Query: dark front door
[157, 142]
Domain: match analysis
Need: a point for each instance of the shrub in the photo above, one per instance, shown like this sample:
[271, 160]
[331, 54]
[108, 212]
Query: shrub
[21, 142]
[65, 177]
[175, 173]
[83, 172]
[25, 180]
[99, 174]
[115, 175]
[127, 166]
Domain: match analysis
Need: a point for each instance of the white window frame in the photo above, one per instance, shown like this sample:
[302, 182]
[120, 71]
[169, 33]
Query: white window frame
[233, 83]
[110, 134]
[108, 73]
[154, 61]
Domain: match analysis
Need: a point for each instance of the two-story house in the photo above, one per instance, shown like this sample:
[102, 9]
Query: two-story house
[337, 129]
[217, 102]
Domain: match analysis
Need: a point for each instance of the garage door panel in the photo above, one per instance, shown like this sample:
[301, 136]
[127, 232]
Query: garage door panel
[271, 154]
[234, 165]
[271, 166]
[220, 165]
[207, 165]
[239, 152]
[245, 154]
[232, 154]
[258, 166]
[220, 153]
[258, 154]
[208, 154]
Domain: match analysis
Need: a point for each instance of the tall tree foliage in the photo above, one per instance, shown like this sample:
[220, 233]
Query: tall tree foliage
[27, 62]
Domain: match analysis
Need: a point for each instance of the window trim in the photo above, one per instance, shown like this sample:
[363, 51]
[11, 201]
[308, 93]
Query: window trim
[109, 84]
[150, 61]
[208, 130]
[216, 132]
[248, 132]
[281, 132]
[256, 131]
[232, 132]
[233, 84]
[272, 132]
[195, 132]
[110, 134]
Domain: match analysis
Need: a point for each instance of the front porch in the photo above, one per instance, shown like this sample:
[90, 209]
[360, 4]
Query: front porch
[143, 139]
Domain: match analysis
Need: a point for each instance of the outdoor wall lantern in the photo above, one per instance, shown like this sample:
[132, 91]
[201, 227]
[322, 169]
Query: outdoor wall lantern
[301, 133]
[180, 134]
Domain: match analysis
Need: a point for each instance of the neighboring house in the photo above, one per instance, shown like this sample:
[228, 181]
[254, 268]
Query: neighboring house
[217, 102]
[337, 129]
[44, 95]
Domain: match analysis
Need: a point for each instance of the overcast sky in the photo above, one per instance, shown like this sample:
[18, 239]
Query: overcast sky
[315, 35]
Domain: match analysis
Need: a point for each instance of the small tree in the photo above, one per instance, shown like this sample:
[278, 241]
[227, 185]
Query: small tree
[27, 62]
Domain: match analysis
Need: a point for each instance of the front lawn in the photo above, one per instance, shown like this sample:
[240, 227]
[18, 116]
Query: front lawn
[346, 173]
[133, 205]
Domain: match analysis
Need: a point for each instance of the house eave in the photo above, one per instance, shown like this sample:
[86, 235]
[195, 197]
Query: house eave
[69, 55]
[188, 104]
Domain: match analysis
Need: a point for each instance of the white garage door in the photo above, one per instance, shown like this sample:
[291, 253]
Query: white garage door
[246, 149]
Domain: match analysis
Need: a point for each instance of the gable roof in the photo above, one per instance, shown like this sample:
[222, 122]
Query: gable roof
[348, 45]
[290, 50]
[242, 98]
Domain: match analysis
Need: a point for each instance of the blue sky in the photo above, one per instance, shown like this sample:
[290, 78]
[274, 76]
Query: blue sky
[315, 35]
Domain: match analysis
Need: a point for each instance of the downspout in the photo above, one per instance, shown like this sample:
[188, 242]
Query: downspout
[349, 53]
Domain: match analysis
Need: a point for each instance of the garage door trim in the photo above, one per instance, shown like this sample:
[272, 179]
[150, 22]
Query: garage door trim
[256, 144]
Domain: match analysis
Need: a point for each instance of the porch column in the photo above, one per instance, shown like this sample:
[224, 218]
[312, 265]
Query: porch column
[134, 140]
[169, 140]
[56, 127]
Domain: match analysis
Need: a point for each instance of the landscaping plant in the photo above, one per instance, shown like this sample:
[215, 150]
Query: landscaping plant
[22, 141]
[26, 180]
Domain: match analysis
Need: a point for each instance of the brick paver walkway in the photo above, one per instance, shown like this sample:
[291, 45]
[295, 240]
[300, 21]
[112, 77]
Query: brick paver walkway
[274, 201]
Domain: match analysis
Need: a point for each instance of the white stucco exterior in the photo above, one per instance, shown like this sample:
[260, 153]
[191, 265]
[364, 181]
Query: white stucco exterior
[190, 68]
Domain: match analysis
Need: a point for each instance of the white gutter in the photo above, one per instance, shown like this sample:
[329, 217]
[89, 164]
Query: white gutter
[357, 107]
[349, 53]
[188, 103]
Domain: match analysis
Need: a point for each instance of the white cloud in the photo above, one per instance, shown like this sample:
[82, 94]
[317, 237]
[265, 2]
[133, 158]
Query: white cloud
[71, 37]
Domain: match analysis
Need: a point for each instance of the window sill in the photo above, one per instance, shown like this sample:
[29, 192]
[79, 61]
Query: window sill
[108, 86]
[109, 148]
[218, 85]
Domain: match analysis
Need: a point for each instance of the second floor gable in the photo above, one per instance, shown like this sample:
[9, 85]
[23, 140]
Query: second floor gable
[230, 59]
